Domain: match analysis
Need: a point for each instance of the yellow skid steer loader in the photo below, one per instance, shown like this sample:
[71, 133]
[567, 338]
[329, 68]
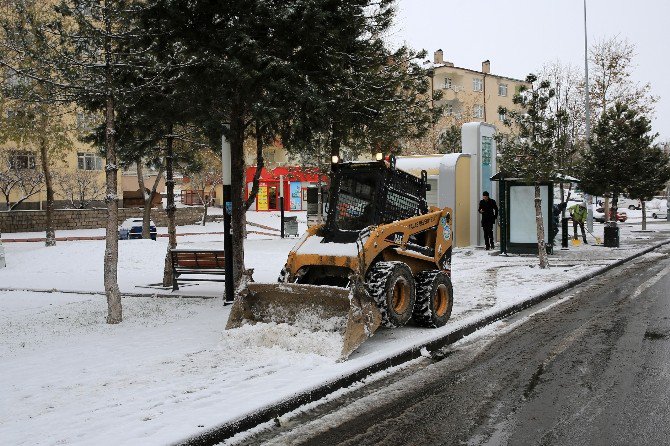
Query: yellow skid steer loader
[381, 258]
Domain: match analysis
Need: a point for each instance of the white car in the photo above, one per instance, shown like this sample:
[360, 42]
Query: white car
[629, 203]
[661, 212]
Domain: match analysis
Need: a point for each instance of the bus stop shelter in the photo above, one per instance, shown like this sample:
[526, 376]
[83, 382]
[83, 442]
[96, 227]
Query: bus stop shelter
[516, 203]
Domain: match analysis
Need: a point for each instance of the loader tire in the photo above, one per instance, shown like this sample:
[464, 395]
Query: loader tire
[434, 299]
[283, 275]
[391, 285]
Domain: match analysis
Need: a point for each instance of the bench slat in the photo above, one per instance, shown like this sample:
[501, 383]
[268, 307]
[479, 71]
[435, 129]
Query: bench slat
[197, 262]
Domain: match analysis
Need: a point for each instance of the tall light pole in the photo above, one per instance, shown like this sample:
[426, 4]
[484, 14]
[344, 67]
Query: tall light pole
[589, 208]
[229, 296]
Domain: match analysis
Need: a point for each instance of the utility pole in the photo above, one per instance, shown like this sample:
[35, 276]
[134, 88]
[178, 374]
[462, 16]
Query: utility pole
[587, 103]
[281, 203]
[229, 296]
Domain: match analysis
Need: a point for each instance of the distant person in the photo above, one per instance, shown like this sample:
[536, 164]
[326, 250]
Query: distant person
[489, 210]
[556, 216]
[578, 214]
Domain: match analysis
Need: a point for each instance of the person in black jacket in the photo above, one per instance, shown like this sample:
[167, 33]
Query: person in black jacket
[489, 211]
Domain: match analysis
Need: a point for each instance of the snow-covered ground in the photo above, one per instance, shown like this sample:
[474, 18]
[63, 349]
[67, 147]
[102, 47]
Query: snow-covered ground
[170, 370]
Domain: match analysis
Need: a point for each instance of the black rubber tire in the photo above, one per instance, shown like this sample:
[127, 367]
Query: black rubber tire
[283, 275]
[392, 286]
[433, 310]
[631, 207]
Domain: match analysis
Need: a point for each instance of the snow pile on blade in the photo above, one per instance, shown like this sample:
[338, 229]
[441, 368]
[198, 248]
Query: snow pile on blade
[350, 316]
[284, 337]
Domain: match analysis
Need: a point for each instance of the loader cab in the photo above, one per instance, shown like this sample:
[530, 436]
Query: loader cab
[364, 194]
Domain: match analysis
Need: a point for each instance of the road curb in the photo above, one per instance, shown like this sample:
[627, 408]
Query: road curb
[231, 428]
[102, 293]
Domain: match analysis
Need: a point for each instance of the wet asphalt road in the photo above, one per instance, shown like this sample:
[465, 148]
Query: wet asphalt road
[590, 370]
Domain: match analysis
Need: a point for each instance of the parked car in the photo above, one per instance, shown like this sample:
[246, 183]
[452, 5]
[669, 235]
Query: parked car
[599, 215]
[629, 203]
[660, 212]
[131, 228]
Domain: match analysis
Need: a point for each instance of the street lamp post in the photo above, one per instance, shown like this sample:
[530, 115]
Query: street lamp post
[589, 207]
[227, 215]
[281, 204]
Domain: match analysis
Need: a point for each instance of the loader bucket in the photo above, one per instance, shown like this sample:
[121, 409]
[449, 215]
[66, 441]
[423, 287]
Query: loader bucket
[352, 314]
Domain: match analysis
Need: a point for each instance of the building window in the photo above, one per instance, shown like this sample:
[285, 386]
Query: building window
[477, 84]
[447, 82]
[478, 112]
[449, 109]
[502, 89]
[22, 160]
[85, 122]
[501, 117]
[89, 161]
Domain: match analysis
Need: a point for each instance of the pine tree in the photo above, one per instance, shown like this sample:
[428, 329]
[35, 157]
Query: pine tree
[530, 152]
[296, 68]
[609, 162]
[651, 173]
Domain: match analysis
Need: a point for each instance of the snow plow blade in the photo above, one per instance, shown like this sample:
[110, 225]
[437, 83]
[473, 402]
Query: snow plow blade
[317, 308]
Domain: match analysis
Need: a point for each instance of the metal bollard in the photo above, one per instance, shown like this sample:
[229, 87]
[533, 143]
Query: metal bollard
[564, 233]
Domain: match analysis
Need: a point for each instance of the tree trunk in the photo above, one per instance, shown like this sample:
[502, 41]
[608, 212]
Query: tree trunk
[335, 142]
[204, 211]
[260, 162]
[606, 209]
[238, 220]
[319, 192]
[170, 209]
[143, 191]
[615, 206]
[148, 202]
[44, 154]
[114, 310]
[539, 223]
[644, 215]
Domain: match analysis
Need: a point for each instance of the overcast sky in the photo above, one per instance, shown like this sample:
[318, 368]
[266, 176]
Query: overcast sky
[519, 36]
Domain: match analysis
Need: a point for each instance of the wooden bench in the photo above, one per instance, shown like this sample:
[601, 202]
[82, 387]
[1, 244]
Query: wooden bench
[197, 262]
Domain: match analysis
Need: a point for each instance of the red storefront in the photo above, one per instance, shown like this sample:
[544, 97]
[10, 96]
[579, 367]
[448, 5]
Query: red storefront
[296, 181]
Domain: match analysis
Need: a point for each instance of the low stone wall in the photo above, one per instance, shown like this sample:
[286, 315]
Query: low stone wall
[34, 221]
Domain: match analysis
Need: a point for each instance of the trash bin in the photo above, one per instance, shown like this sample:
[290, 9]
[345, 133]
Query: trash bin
[611, 235]
[291, 226]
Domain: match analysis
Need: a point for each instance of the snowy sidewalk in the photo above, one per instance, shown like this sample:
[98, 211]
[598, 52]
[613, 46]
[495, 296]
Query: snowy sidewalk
[170, 370]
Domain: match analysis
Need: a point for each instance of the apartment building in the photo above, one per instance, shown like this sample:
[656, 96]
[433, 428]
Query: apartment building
[77, 169]
[470, 95]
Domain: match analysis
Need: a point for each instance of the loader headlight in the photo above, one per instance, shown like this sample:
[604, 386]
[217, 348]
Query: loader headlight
[335, 159]
[379, 156]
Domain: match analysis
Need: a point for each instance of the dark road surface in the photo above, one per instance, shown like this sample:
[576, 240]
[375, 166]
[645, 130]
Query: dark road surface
[590, 370]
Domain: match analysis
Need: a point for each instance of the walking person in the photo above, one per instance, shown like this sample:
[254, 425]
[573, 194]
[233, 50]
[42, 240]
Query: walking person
[578, 214]
[489, 211]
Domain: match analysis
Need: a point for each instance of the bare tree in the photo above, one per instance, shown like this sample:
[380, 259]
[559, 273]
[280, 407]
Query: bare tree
[148, 194]
[19, 176]
[568, 101]
[80, 187]
[611, 71]
[204, 183]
